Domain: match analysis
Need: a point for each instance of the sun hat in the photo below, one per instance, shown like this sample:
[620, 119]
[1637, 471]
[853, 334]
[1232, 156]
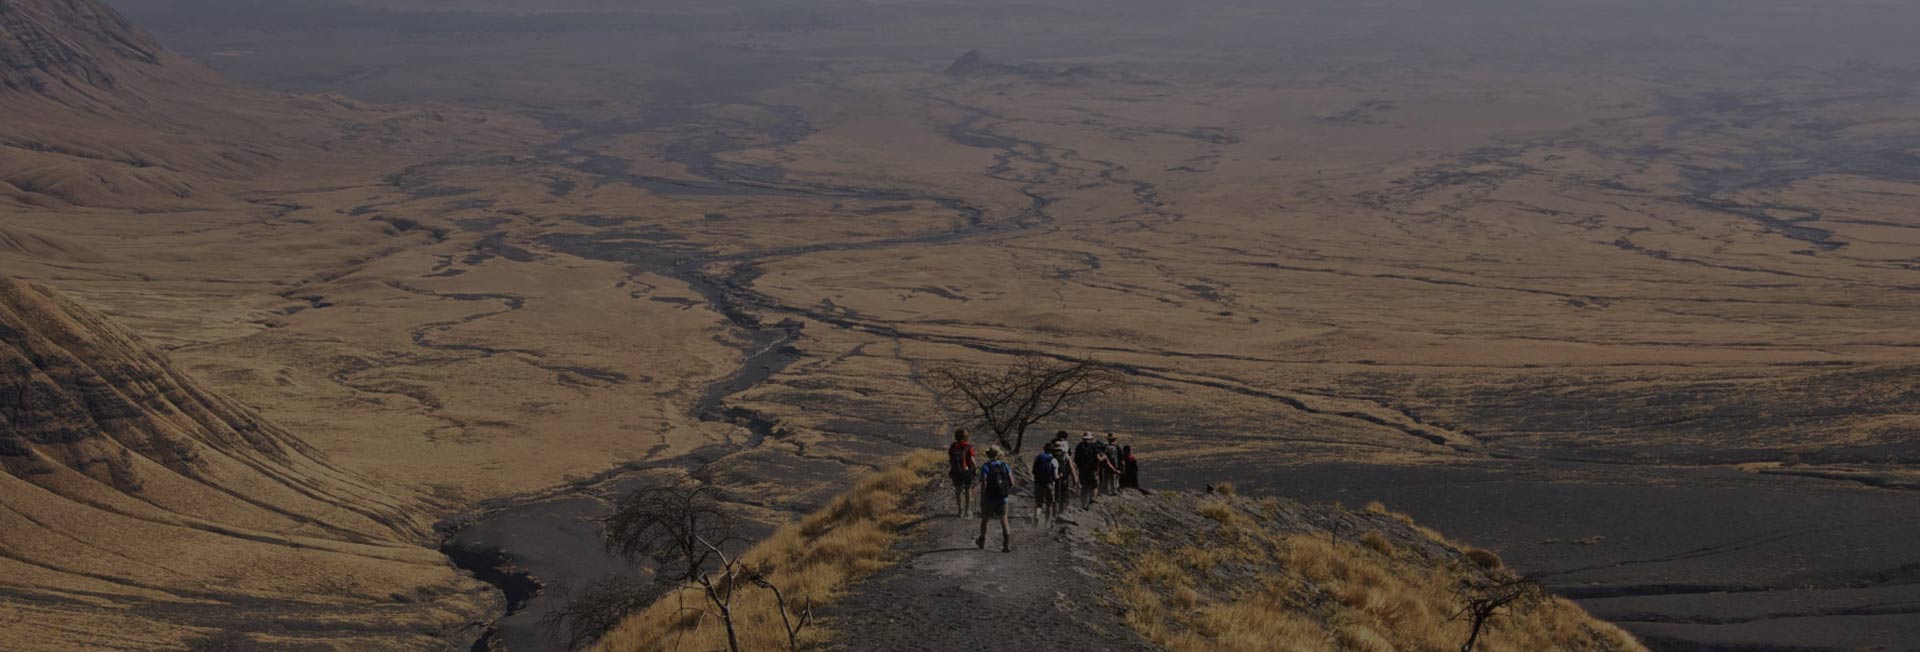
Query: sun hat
[1086, 436]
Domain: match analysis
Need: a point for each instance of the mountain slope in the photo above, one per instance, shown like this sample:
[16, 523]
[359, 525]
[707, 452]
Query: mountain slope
[46, 45]
[129, 485]
[99, 114]
[88, 121]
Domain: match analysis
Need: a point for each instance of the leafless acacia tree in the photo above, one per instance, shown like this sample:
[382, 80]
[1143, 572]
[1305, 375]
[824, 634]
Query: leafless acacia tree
[682, 527]
[585, 617]
[1483, 598]
[1009, 400]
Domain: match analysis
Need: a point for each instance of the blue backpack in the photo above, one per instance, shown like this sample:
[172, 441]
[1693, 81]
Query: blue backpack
[1045, 468]
[998, 480]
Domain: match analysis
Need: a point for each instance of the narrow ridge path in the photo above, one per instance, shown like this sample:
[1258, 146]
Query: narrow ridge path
[945, 595]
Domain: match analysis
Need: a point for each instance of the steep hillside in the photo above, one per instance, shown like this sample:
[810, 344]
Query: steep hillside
[128, 485]
[57, 47]
[99, 114]
[1218, 573]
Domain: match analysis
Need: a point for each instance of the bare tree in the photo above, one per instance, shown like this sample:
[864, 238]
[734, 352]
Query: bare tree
[681, 527]
[1483, 598]
[581, 619]
[1009, 400]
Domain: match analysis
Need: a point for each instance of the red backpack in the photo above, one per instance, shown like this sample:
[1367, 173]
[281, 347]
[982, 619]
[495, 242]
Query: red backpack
[960, 457]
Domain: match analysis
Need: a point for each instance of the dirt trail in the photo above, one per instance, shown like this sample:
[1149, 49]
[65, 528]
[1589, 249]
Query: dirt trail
[947, 596]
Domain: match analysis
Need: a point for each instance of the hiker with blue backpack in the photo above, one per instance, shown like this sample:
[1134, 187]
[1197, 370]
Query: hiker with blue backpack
[996, 485]
[1046, 471]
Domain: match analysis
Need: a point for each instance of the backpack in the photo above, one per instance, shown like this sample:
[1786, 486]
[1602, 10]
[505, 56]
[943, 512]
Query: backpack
[1086, 456]
[999, 479]
[958, 456]
[1045, 468]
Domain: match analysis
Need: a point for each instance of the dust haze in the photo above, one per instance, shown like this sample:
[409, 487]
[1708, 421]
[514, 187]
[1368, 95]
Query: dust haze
[1625, 291]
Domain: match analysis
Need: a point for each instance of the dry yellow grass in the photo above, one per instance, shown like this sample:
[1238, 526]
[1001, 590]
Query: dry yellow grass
[1313, 593]
[814, 558]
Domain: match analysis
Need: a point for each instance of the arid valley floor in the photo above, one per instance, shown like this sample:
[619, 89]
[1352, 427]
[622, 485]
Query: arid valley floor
[1628, 292]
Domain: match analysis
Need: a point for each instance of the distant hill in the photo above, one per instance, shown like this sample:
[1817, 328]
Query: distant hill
[54, 47]
[99, 114]
[973, 64]
[127, 484]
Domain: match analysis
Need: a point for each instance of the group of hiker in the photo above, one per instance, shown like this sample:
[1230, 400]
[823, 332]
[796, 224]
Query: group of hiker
[1093, 467]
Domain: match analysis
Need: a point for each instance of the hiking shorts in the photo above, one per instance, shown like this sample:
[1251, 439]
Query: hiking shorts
[1043, 493]
[1089, 479]
[961, 479]
[992, 509]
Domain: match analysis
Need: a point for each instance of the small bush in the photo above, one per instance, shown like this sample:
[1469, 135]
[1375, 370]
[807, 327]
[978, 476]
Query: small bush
[1484, 558]
[1376, 507]
[1378, 543]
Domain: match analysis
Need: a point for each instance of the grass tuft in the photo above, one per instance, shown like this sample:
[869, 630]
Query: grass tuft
[1220, 511]
[1484, 558]
[1119, 535]
[1377, 543]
